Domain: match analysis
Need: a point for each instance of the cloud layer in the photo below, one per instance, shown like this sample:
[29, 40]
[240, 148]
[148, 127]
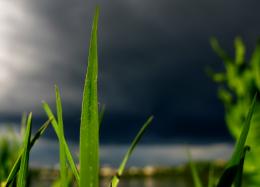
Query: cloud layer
[152, 53]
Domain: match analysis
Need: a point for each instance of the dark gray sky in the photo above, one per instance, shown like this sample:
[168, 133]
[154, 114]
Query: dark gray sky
[152, 59]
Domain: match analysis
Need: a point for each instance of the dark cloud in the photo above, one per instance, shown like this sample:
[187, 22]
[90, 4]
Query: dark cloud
[152, 54]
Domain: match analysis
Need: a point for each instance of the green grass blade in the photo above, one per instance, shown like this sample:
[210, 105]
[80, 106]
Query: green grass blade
[63, 167]
[219, 51]
[16, 166]
[23, 124]
[239, 176]
[240, 51]
[234, 173]
[23, 172]
[89, 126]
[232, 168]
[240, 144]
[116, 178]
[255, 64]
[61, 138]
[101, 115]
[211, 178]
[40, 132]
[194, 172]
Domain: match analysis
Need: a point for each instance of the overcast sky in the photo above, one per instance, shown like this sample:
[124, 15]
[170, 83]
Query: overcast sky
[152, 57]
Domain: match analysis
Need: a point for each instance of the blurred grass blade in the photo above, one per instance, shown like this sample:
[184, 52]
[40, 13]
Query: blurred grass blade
[228, 176]
[234, 173]
[255, 63]
[194, 172]
[116, 178]
[239, 176]
[89, 126]
[40, 132]
[63, 167]
[240, 144]
[23, 172]
[16, 166]
[211, 179]
[61, 138]
[240, 51]
[23, 124]
[101, 115]
[219, 51]
[216, 77]
[232, 168]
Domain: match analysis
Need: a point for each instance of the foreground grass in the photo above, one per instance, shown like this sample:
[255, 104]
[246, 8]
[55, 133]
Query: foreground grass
[232, 174]
[88, 173]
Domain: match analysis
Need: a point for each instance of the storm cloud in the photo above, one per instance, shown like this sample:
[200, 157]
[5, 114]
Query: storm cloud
[152, 55]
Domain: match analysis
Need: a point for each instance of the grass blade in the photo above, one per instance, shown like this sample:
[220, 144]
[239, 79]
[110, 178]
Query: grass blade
[239, 176]
[194, 172]
[240, 144]
[116, 178]
[255, 64]
[89, 126]
[40, 132]
[211, 179]
[240, 51]
[61, 138]
[63, 167]
[234, 173]
[16, 166]
[23, 172]
[23, 124]
[101, 115]
[219, 51]
[232, 168]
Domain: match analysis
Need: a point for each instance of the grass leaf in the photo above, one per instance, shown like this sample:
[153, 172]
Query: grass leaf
[16, 165]
[101, 114]
[116, 178]
[89, 126]
[194, 172]
[240, 51]
[219, 51]
[23, 172]
[63, 167]
[211, 178]
[61, 138]
[255, 64]
[239, 176]
[23, 124]
[240, 144]
[232, 168]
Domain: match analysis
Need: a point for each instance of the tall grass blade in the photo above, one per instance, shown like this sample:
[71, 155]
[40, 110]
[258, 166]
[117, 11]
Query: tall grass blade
[194, 172]
[23, 172]
[101, 115]
[240, 51]
[89, 126]
[39, 132]
[255, 64]
[232, 168]
[63, 167]
[116, 178]
[23, 124]
[16, 165]
[239, 176]
[234, 173]
[240, 144]
[219, 51]
[61, 138]
[211, 178]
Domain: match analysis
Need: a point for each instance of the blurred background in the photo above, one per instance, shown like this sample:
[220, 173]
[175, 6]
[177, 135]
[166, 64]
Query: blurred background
[152, 61]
